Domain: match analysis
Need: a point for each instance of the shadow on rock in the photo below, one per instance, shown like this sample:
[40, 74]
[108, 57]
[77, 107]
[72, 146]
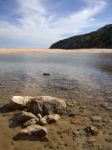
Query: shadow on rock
[5, 109]
[13, 122]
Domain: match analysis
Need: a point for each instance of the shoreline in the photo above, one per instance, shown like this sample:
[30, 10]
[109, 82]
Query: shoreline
[51, 51]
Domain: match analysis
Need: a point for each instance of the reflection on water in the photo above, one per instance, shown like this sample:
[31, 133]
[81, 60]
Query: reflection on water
[73, 75]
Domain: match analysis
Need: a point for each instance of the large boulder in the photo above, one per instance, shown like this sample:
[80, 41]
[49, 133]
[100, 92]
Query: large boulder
[25, 116]
[45, 105]
[33, 130]
[18, 102]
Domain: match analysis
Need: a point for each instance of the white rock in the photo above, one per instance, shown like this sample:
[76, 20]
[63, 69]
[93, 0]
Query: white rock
[19, 102]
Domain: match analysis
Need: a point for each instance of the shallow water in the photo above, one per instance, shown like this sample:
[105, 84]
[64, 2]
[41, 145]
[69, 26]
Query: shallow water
[81, 77]
[69, 74]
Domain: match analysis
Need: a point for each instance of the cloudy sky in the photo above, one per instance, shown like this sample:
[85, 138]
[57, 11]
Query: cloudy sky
[39, 23]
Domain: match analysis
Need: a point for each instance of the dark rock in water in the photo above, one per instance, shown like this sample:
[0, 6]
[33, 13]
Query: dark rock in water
[46, 74]
[101, 38]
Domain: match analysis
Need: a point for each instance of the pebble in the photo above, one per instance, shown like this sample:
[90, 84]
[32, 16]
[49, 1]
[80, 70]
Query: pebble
[72, 114]
[96, 118]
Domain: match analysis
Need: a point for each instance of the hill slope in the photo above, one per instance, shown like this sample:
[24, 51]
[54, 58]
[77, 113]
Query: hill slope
[102, 38]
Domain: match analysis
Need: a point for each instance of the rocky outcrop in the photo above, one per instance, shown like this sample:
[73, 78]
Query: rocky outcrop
[43, 105]
[101, 38]
[38, 111]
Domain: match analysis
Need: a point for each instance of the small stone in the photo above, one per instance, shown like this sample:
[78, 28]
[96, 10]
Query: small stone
[51, 118]
[66, 144]
[39, 116]
[91, 130]
[42, 122]
[61, 136]
[72, 114]
[91, 140]
[83, 107]
[109, 139]
[96, 118]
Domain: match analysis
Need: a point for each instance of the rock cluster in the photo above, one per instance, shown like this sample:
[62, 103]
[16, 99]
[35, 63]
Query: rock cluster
[38, 112]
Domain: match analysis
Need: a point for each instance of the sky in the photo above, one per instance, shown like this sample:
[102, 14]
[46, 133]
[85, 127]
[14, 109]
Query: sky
[39, 23]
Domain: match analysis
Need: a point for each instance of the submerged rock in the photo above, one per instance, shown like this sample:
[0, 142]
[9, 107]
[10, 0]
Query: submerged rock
[51, 118]
[46, 74]
[18, 102]
[45, 105]
[30, 122]
[33, 130]
[25, 116]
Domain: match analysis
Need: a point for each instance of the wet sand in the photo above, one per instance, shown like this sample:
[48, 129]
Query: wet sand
[86, 90]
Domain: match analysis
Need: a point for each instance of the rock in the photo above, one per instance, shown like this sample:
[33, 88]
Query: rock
[33, 130]
[90, 131]
[39, 116]
[96, 118]
[42, 122]
[91, 140]
[25, 116]
[106, 106]
[18, 102]
[46, 74]
[72, 114]
[31, 122]
[51, 118]
[45, 105]
[108, 139]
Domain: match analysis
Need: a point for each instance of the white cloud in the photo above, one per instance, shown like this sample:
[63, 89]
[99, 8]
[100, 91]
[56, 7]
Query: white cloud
[38, 28]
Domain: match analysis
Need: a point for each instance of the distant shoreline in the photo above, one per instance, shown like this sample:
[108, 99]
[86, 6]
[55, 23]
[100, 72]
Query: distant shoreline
[44, 51]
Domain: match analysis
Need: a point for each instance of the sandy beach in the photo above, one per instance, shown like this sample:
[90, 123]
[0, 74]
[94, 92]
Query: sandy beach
[44, 51]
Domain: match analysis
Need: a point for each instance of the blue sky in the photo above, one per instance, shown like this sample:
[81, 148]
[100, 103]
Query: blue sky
[39, 23]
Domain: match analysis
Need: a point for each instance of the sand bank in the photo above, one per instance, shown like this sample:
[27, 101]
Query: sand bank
[43, 51]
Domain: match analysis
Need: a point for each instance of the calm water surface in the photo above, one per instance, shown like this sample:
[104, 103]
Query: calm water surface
[79, 76]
